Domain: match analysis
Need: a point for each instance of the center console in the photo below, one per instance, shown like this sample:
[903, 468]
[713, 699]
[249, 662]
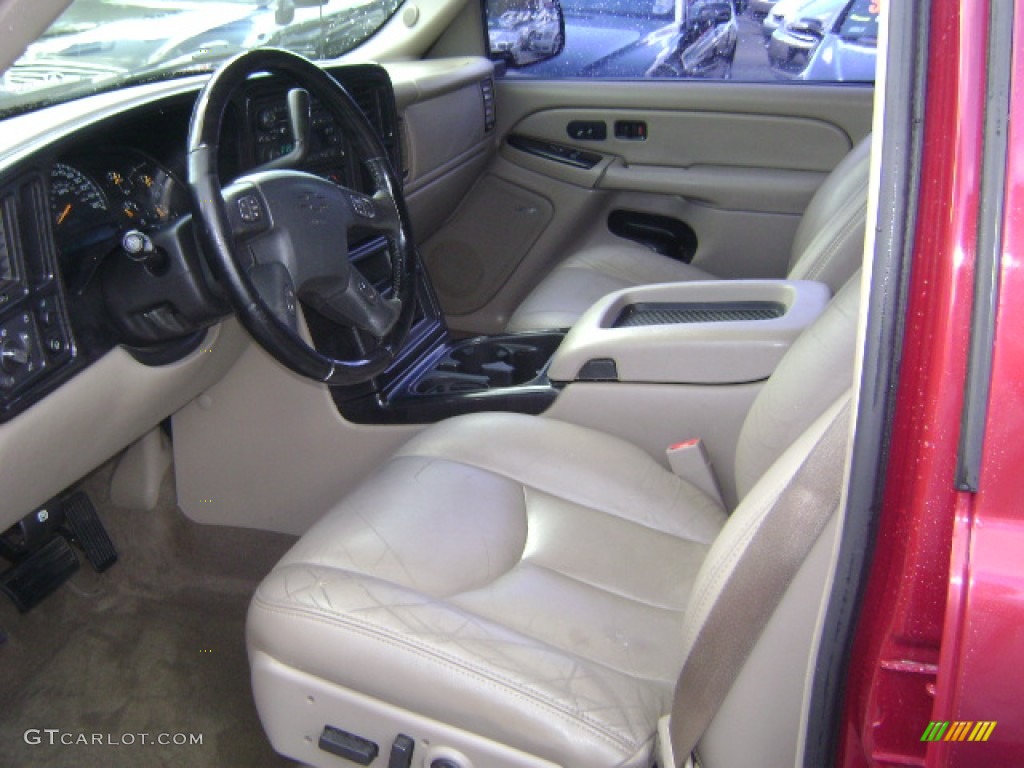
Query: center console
[457, 376]
[485, 366]
[436, 375]
[700, 333]
[720, 332]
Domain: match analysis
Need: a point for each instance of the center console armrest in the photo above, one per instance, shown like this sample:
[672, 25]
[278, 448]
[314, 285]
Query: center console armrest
[718, 332]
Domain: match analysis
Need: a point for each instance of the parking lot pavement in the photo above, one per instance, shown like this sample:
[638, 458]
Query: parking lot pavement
[751, 62]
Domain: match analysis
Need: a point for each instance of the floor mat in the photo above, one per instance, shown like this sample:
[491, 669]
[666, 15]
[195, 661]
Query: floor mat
[144, 665]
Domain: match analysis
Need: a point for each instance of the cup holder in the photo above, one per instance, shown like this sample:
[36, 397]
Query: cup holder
[449, 383]
[489, 362]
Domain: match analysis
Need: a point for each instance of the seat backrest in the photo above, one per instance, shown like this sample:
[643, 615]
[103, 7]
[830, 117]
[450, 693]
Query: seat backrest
[749, 626]
[811, 375]
[829, 241]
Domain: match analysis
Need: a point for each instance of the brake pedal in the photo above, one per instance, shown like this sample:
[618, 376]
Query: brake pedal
[88, 532]
[39, 573]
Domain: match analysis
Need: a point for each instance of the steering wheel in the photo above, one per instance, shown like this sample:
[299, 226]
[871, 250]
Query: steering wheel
[275, 236]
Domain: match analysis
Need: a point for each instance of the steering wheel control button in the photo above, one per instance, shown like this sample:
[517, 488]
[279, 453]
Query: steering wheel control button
[367, 291]
[364, 207]
[249, 209]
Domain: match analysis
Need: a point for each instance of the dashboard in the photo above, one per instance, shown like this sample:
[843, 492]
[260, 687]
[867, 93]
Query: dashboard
[71, 287]
[98, 350]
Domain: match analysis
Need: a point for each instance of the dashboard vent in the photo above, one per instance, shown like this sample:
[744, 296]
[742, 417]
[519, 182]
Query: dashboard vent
[8, 264]
[403, 137]
[369, 96]
[27, 251]
[490, 110]
[40, 251]
[365, 95]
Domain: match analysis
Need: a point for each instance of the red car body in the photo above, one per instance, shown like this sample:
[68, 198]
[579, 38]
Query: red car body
[942, 626]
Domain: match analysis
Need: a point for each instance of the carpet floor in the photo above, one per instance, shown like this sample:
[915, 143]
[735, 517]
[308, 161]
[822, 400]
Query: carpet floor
[154, 646]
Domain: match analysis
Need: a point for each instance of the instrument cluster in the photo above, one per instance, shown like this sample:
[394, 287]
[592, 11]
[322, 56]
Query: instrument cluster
[96, 197]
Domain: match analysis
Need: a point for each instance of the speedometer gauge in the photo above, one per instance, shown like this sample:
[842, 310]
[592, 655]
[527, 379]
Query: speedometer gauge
[77, 202]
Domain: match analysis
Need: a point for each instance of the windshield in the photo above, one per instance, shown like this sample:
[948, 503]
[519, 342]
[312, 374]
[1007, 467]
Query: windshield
[98, 45]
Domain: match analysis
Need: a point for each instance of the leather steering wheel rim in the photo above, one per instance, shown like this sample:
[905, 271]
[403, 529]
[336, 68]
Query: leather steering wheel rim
[245, 229]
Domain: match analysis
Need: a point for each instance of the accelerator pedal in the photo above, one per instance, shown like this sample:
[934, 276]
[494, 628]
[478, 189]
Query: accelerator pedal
[39, 573]
[86, 530]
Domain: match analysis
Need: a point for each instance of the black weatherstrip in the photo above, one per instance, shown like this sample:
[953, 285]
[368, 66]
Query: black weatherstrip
[990, 248]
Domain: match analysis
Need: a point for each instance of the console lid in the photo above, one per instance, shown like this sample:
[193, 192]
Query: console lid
[716, 332]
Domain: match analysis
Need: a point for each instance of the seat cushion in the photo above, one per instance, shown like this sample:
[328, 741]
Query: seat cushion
[583, 278]
[421, 588]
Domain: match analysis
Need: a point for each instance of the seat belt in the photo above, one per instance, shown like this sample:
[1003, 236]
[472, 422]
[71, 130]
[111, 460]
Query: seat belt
[773, 546]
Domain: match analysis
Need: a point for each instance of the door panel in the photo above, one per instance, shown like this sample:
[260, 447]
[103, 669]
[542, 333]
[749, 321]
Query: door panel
[845, 106]
[734, 162]
[684, 138]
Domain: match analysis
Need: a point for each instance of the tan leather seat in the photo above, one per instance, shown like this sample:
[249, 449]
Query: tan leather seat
[510, 590]
[827, 247]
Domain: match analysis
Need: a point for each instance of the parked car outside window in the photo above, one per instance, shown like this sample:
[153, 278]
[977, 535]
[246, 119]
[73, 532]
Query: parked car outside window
[793, 43]
[686, 39]
[759, 9]
[849, 50]
[776, 17]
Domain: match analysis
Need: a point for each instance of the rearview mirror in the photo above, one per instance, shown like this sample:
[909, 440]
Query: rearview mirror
[523, 32]
[284, 12]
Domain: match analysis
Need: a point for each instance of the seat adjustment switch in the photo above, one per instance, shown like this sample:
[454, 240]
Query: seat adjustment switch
[347, 745]
[401, 752]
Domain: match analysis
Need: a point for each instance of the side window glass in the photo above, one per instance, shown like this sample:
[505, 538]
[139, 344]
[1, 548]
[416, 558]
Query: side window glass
[750, 40]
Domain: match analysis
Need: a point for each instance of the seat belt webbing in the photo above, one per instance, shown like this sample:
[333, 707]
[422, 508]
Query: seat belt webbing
[748, 598]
